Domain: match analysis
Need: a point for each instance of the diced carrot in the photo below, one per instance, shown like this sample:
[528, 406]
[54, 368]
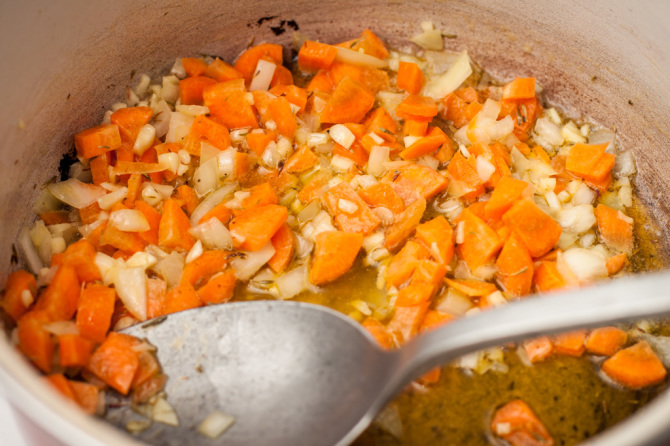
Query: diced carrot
[150, 157]
[321, 82]
[356, 153]
[570, 343]
[257, 142]
[207, 130]
[350, 102]
[538, 349]
[615, 228]
[471, 287]
[189, 198]
[606, 341]
[87, 396]
[334, 255]
[180, 298]
[438, 237]
[429, 272]
[315, 186]
[75, 351]
[81, 256]
[252, 229]
[219, 211]
[301, 160]
[62, 385]
[227, 101]
[125, 241]
[547, 277]
[463, 170]
[99, 169]
[369, 43]
[247, 62]
[538, 231]
[524, 113]
[59, 300]
[635, 367]
[116, 361]
[414, 294]
[589, 161]
[404, 225]
[18, 283]
[382, 194]
[156, 290]
[147, 369]
[410, 78]
[314, 56]
[97, 140]
[371, 79]
[173, 227]
[194, 66]
[259, 195]
[615, 263]
[413, 127]
[124, 154]
[412, 181]
[285, 181]
[435, 319]
[134, 184]
[34, 341]
[153, 217]
[199, 271]
[222, 72]
[378, 331]
[506, 193]
[295, 95]
[94, 311]
[515, 268]
[219, 289]
[283, 242]
[143, 393]
[280, 111]
[381, 123]
[522, 427]
[480, 242]
[90, 213]
[281, 77]
[420, 108]
[402, 265]
[191, 89]
[458, 110]
[54, 217]
[520, 88]
[130, 120]
[406, 321]
[350, 212]
[427, 145]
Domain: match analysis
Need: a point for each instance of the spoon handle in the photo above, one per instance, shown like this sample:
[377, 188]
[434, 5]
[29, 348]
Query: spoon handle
[615, 301]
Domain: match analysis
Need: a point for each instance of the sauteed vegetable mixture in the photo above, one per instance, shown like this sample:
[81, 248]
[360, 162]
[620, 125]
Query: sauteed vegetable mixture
[442, 192]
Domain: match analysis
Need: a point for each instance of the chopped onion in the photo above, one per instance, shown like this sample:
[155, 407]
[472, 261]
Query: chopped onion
[129, 220]
[195, 252]
[390, 101]
[145, 138]
[340, 163]
[271, 155]
[192, 110]
[303, 247]
[161, 120]
[170, 161]
[226, 162]
[213, 234]
[206, 178]
[247, 263]
[46, 202]
[441, 86]
[548, 132]
[346, 206]
[389, 420]
[107, 266]
[429, 161]
[572, 134]
[207, 152]
[429, 40]
[141, 260]
[585, 264]
[107, 201]
[41, 240]
[490, 110]
[310, 211]
[379, 156]
[163, 412]
[342, 135]
[215, 424]
[61, 328]
[171, 268]
[317, 139]
[603, 136]
[624, 164]
[131, 286]
[180, 125]
[262, 75]
[454, 303]
[484, 168]
[349, 56]
[293, 282]
[75, 193]
[626, 196]
[584, 195]
[211, 201]
[577, 219]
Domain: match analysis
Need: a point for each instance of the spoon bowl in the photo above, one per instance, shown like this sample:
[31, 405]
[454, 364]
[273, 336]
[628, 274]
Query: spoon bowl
[293, 373]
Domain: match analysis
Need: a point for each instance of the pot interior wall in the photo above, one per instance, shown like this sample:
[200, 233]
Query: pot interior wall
[66, 65]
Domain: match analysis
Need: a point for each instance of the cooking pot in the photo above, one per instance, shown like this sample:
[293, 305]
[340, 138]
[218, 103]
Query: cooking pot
[64, 63]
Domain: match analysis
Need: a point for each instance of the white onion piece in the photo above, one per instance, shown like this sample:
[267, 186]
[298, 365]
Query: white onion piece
[206, 177]
[548, 132]
[170, 161]
[624, 164]
[131, 286]
[262, 75]
[170, 88]
[207, 152]
[192, 110]
[490, 109]
[163, 412]
[347, 55]
[179, 126]
[211, 201]
[341, 164]
[292, 283]
[213, 234]
[75, 193]
[390, 101]
[30, 254]
[226, 162]
[46, 202]
[379, 155]
[454, 303]
[310, 211]
[484, 168]
[41, 239]
[389, 420]
[584, 195]
[317, 139]
[585, 264]
[61, 327]
[271, 155]
[430, 39]
[342, 135]
[247, 264]
[195, 252]
[145, 139]
[603, 136]
[215, 424]
[161, 120]
[441, 86]
[303, 247]
[129, 220]
[577, 219]
[171, 268]
[347, 206]
[500, 129]
[572, 134]
[141, 260]
[107, 201]
[108, 267]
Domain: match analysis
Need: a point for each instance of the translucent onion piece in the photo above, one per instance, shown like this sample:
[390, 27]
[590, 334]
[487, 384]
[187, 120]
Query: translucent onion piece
[211, 201]
[248, 263]
[347, 55]
[75, 193]
[292, 283]
[131, 286]
[129, 220]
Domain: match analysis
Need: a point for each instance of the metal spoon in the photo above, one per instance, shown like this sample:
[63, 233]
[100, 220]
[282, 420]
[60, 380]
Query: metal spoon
[301, 374]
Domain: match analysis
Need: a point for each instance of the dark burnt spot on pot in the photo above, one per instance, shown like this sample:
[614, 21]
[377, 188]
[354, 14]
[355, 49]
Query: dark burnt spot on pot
[14, 259]
[68, 159]
[262, 20]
